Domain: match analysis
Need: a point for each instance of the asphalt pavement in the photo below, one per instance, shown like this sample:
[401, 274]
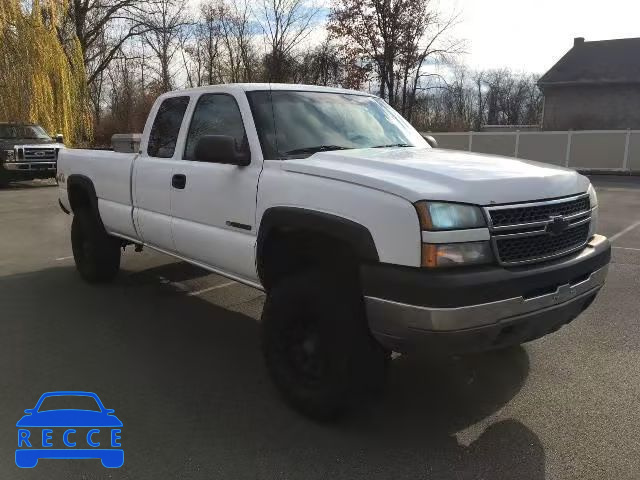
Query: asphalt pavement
[174, 351]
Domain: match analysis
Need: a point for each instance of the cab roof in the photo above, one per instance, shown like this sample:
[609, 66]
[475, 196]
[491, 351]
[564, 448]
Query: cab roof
[248, 87]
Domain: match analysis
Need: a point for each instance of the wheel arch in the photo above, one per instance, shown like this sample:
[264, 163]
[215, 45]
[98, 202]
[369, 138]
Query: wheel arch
[315, 223]
[82, 193]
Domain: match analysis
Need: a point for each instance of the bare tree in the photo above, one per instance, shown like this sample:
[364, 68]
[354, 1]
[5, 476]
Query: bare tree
[132, 50]
[237, 30]
[164, 24]
[396, 37]
[469, 100]
[209, 34]
[481, 101]
[425, 37]
[203, 48]
[285, 23]
[101, 28]
[320, 66]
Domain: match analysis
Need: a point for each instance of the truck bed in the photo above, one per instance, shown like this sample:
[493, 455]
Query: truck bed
[111, 175]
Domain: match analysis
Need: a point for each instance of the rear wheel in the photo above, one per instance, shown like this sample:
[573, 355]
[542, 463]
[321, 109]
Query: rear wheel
[96, 253]
[316, 343]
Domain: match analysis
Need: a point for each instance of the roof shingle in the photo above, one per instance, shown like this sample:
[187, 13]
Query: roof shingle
[601, 62]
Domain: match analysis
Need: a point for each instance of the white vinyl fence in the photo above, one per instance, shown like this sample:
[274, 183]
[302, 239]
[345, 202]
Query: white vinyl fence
[600, 150]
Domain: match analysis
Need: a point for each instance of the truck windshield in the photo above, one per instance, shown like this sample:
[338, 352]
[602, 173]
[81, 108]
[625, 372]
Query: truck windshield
[23, 131]
[296, 124]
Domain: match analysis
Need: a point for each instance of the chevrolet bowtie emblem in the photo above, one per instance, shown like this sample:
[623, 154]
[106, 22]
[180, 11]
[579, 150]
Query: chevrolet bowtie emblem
[557, 225]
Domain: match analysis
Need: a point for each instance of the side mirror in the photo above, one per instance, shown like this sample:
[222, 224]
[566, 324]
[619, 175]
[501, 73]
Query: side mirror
[29, 411]
[59, 138]
[431, 141]
[220, 149]
[109, 411]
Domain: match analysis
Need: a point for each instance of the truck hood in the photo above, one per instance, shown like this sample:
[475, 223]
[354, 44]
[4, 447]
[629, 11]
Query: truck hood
[9, 143]
[417, 173]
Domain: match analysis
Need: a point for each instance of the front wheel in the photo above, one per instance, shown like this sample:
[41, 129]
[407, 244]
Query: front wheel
[96, 253]
[316, 343]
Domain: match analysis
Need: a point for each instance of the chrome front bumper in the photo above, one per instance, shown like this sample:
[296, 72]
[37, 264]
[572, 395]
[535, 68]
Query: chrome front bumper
[479, 309]
[30, 166]
[449, 319]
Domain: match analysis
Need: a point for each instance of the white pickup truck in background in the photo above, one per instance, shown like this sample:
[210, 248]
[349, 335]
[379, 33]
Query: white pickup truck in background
[365, 239]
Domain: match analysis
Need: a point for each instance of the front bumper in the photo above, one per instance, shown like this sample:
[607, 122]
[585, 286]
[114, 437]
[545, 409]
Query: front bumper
[30, 166]
[10, 171]
[478, 309]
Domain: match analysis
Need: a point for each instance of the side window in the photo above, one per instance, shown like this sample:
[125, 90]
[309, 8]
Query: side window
[215, 114]
[166, 126]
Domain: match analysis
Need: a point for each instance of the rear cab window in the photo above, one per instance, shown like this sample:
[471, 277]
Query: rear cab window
[166, 127]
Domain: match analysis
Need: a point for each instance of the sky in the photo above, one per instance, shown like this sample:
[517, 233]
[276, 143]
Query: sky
[523, 35]
[530, 36]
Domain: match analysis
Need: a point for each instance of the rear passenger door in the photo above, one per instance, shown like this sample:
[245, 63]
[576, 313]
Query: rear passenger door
[214, 214]
[153, 174]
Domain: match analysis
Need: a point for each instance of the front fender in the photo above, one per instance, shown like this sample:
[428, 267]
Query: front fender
[355, 235]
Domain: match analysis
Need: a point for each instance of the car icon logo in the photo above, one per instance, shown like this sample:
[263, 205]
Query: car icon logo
[90, 432]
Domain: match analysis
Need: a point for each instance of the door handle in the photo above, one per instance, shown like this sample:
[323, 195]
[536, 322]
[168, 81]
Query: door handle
[179, 181]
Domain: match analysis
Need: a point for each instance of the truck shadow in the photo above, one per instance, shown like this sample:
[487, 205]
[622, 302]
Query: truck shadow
[187, 380]
[171, 272]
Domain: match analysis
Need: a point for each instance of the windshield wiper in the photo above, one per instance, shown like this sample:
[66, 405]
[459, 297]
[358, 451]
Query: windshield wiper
[393, 145]
[318, 148]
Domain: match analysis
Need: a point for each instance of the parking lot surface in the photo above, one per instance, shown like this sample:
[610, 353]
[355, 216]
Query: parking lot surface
[174, 350]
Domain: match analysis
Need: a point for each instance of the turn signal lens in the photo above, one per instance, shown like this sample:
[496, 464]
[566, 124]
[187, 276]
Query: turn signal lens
[456, 254]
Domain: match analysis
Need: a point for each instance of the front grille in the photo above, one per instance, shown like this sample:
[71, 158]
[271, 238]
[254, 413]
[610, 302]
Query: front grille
[538, 213]
[513, 250]
[536, 232]
[39, 154]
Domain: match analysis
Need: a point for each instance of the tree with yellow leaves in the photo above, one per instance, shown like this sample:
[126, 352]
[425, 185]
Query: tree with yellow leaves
[40, 82]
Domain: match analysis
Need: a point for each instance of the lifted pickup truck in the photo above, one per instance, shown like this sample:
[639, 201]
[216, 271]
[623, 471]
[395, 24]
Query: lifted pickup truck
[27, 152]
[365, 239]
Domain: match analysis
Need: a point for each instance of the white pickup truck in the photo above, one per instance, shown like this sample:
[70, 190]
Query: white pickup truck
[365, 239]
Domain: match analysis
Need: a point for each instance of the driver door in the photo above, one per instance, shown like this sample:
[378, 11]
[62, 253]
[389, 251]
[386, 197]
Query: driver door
[214, 211]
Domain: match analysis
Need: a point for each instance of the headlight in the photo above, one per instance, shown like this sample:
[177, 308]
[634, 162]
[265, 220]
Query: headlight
[9, 155]
[455, 254]
[593, 198]
[449, 216]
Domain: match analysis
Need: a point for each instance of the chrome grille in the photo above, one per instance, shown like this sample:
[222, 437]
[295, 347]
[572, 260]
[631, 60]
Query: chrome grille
[537, 213]
[539, 231]
[541, 246]
[39, 154]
